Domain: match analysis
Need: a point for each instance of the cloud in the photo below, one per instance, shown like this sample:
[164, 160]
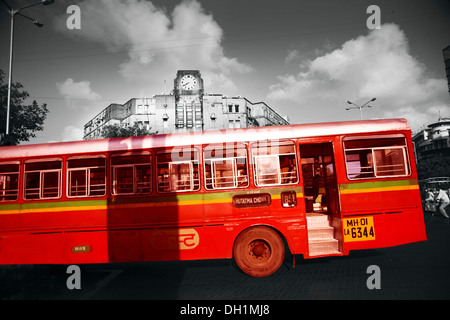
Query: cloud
[292, 56]
[72, 133]
[78, 95]
[379, 65]
[77, 90]
[155, 39]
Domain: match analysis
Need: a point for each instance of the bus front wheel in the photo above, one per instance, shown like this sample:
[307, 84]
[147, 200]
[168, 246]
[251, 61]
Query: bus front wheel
[259, 251]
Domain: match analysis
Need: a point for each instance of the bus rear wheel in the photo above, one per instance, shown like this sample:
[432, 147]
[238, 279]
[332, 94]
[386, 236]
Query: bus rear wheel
[259, 251]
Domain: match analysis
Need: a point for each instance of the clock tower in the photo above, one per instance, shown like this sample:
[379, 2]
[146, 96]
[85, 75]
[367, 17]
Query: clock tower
[188, 91]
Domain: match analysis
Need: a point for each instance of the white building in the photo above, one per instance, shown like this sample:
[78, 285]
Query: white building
[187, 108]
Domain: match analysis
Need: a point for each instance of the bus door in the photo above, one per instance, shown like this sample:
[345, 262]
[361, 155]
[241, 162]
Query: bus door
[321, 198]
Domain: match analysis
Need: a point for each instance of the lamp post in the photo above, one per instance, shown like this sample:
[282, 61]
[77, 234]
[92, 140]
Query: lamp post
[13, 13]
[360, 107]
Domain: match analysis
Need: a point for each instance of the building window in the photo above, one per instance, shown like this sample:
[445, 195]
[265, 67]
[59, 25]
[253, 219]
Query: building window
[86, 177]
[376, 158]
[189, 117]
[43, 179]
[198, 113]
[236, 108]
[230, 108]
[180, 116]
[131, 174]
[9, 181]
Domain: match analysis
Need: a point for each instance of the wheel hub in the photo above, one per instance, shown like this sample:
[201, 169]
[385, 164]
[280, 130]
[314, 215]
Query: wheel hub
[259, 250]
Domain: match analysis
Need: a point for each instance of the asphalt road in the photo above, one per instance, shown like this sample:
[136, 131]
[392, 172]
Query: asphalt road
[413, 271]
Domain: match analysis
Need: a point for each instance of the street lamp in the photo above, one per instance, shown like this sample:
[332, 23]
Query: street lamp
[360, 107]
[13, 13]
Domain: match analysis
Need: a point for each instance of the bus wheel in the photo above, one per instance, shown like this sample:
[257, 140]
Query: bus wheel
[259, 251]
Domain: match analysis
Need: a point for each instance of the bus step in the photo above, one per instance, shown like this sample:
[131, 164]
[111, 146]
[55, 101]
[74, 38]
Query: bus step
[323, 247]
[317, 220]
[321, 233]
[321, 239]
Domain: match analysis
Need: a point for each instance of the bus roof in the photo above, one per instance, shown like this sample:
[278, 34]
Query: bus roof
[205, 137]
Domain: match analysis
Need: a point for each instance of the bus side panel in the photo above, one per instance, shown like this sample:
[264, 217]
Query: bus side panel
[379, 196]
[289, 222]
[392, 230]
[54, 248]
[167, 228]
[40, 236]
[394, 205]
[54, 217]
[212, 238]
[397, 218]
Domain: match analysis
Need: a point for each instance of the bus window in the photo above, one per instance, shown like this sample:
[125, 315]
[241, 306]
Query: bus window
[9, 181]
[43, 179]
[131, 174]
[376, 158]
[274, 163]
[390, 162]
[86, 177]
[178, 171]
[225, 167]
[267, 170]
[359, 164]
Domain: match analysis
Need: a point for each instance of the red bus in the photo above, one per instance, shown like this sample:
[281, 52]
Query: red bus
[250, 194]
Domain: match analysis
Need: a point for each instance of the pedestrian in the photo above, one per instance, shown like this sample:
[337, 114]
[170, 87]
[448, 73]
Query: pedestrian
[429, 201]
[445, 201]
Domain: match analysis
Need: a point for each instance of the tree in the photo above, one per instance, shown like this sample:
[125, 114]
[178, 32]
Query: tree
[436, 166]
[24, 120]
[115, 131]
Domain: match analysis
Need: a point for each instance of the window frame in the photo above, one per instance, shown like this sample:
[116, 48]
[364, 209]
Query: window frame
[4, 190]
[371, 151]
[135, 183]
[194, 182]
[42, 173]
[190, 178]
[405, 162]
[280, 178]
[87, 171]
[257, 175]
[236, 184]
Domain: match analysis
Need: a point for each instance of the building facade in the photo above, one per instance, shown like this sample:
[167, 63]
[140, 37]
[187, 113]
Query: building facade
[187, 108]
[434, 140]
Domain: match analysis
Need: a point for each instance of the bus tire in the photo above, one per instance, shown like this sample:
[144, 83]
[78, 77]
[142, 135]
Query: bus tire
[259, 251]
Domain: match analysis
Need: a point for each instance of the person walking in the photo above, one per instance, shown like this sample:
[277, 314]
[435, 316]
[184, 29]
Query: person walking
[444, 202]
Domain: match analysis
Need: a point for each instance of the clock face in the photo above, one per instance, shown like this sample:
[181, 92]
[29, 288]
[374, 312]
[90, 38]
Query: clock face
[188, 82]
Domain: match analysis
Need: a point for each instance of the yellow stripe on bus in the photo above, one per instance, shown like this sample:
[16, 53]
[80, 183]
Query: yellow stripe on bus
[117, 206]
[129, 205]
[381, 189]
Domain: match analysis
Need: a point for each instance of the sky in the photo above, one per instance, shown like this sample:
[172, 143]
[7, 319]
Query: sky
[304, 58]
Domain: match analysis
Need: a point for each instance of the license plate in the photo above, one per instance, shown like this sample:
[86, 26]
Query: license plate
[358, 229]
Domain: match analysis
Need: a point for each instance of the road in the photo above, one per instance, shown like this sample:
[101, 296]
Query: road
[413, 271]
